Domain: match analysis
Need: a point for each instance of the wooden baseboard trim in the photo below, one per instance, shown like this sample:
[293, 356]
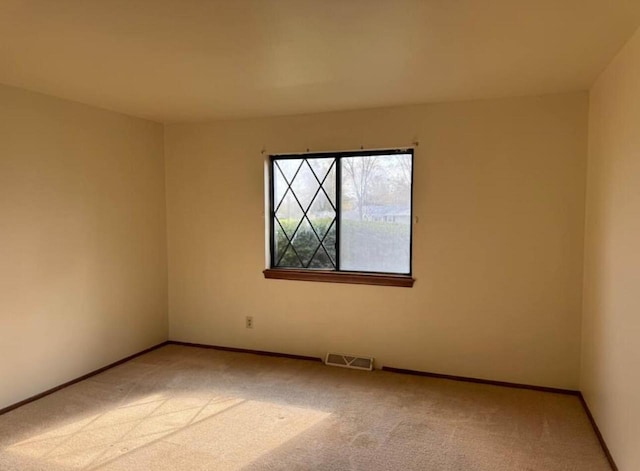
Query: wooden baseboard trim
[244, 350]
[78, 379]
[466, 379]
[603, 444]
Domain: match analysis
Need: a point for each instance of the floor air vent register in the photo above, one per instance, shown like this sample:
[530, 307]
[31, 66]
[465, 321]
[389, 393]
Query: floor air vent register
[349, 361]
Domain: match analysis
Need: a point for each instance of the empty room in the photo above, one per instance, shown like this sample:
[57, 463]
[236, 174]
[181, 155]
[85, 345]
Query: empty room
[320, 235]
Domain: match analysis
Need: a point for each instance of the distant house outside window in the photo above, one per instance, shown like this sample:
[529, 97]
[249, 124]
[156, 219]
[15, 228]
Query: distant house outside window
[342, 212]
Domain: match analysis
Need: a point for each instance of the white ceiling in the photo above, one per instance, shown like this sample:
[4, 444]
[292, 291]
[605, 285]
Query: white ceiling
[186, 60]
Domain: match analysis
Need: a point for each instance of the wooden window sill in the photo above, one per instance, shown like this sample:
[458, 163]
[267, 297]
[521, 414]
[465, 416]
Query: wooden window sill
[357, 278]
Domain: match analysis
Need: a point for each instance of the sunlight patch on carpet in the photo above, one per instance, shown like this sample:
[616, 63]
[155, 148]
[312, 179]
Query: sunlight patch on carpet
[233, 431]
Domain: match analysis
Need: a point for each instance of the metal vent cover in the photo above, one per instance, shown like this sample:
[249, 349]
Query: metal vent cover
[349, 361]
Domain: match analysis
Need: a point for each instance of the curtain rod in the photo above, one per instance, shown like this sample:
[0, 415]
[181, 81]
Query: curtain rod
[308, 150]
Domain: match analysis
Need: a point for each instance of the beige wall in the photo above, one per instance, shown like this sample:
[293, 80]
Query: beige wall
[611, 327]
[82, 240]
[498, 249]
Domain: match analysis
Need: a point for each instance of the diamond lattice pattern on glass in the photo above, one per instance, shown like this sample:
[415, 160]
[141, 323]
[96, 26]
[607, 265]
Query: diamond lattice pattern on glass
[305, 213]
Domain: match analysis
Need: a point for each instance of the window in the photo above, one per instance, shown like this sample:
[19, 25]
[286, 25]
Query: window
[344, 217]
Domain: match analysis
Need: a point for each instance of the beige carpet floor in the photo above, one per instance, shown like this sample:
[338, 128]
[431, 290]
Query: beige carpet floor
[186, 408]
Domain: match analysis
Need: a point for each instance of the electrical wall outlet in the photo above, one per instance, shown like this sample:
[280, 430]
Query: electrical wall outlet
[249, 322]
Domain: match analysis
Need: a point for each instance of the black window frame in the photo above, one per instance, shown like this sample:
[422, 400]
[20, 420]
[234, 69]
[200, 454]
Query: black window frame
[338, 156]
